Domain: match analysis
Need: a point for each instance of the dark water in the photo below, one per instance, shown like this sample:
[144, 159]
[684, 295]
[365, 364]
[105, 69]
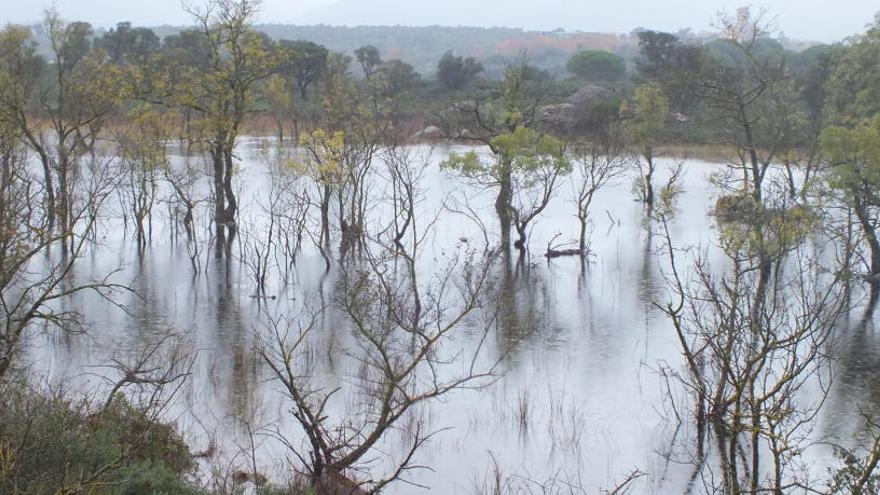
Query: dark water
[588, 346]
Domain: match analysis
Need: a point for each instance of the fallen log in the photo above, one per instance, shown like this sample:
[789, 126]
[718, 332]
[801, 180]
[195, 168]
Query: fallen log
[558, 253]
[553, 252]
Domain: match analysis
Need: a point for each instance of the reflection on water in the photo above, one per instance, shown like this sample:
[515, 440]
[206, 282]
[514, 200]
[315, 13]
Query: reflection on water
[582, 393]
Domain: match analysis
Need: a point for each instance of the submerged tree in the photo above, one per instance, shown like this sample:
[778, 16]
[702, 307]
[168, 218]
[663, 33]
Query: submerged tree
[21, 71]
[323, 164]
[223, 92]
[75, 94]
[142, 160]
[35, 272]
[363, 125]
[753, 340]
[644, 123]
[506, 120]
[405, 169]
[598, 162]
[530, 164]
[404, 329]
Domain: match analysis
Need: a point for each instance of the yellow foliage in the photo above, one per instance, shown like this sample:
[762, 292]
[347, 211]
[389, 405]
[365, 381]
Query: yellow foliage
[325, 156]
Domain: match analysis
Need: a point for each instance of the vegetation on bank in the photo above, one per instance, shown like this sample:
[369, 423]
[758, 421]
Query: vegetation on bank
[52, 442]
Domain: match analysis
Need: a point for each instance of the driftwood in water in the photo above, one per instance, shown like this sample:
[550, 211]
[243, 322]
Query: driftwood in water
[556, 252]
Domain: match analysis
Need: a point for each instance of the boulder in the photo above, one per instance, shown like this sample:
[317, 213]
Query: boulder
[431, 132]
[467, 134]
[590, 95]
[562, 116]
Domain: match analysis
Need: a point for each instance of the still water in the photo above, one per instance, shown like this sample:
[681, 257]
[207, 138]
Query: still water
[582, 397]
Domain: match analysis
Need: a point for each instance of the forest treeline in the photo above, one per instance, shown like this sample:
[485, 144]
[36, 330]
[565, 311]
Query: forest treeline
[91, 120]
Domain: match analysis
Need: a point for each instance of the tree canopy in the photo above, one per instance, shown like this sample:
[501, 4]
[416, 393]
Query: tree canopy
[457, 72]
[593, 65]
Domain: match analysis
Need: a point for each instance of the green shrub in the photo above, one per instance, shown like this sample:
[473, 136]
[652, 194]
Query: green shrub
[52, 444]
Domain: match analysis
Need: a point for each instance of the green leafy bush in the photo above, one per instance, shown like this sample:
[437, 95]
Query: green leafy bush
[53, 444]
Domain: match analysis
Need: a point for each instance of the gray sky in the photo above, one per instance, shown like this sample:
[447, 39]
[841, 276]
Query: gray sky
[820, 20]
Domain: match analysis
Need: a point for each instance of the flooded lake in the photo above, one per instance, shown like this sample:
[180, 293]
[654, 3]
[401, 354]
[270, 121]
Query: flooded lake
[582, 395]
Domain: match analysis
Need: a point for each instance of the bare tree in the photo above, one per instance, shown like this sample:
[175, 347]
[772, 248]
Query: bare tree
[153, 374]
[599, 163]
[273, 238]
[289, 208]
[405, 168]
[142, 158]
[34, 274]
[405, 348]
[748, 99]
[257, 243]
[183, 203]
[859, 473]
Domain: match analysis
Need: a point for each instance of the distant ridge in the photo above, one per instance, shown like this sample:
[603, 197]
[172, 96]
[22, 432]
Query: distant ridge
[423, 46]
[544, 15]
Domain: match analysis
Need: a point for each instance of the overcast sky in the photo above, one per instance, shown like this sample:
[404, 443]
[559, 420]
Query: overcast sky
[820, 20]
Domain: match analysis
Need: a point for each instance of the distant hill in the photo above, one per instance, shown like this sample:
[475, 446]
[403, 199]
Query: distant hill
[423, 46]
[796, 18]
[548, 14]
